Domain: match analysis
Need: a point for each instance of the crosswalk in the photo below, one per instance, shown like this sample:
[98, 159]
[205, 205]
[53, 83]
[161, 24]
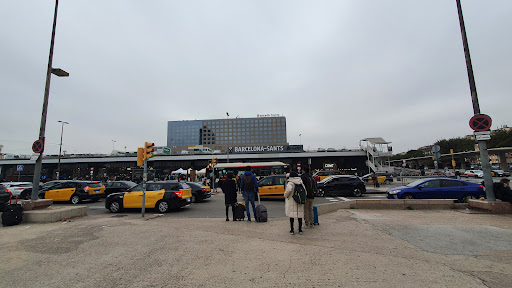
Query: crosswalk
[337, 199]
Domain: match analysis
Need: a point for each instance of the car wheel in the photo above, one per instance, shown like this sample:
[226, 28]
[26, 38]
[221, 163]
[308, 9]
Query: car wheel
[408, 196]
[25, 195]
[162, 206]
[357, 192]
[114, 207]
[193, 199]
[467, 197]
[386, 181]
[321, 193]
[75, 199]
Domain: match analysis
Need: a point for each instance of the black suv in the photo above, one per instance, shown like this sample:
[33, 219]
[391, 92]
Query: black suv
[199, 192]
[341, 185]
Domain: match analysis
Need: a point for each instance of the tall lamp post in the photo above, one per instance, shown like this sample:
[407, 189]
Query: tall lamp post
[60, 148]
[482, 145]
[49, 71]
[113, 141]
[227, 150]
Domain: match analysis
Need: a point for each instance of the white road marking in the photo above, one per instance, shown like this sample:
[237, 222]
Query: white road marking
[343, 198]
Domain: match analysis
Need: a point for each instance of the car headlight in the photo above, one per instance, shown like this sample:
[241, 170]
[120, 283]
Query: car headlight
[393, 192]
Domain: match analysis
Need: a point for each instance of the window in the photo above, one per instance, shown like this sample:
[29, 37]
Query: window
[431, 184]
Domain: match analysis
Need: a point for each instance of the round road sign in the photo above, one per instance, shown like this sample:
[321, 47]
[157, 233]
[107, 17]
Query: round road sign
[38, 146]
[480, 122]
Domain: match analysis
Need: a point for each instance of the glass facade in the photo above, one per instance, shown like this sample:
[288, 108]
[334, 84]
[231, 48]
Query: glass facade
[228, 132]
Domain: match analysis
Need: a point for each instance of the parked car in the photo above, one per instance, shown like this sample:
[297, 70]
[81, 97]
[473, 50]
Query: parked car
[272, 187]
[74, 191]
[161, 195]
[438, 188]
[19, 189]
[341, 185]
[199, 192]
[5, 195]
[499, 173]
[118, 186]
[27, 192]
[382, 177]
[321, 175]
[474, 173]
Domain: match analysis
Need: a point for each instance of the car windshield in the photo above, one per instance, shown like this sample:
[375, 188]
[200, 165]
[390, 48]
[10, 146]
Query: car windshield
[415, 183]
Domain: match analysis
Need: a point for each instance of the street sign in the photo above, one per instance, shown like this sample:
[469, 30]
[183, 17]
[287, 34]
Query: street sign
[483, 137]
[298, 164]
[19, 168]
[437, 155]
[436, 148]
[38, 146]
[480, 122]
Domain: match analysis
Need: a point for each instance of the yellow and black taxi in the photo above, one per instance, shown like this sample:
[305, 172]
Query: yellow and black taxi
[321, 175]
[74, 191]
[272, 187]
[161, 195]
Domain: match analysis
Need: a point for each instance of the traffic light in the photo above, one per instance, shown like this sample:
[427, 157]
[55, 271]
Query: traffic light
[214, 161]
[209, 164]
[148, 148]
[453, 163]
[140, 156]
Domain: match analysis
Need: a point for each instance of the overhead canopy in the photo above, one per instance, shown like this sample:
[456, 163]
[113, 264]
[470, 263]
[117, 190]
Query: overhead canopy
[179, 171]
[376, 140]
[201, 172]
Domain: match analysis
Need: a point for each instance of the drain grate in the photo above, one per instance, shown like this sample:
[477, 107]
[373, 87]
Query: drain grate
[118, 216]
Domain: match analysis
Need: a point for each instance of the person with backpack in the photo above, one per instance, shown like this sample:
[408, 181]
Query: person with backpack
[311, 189]
[249, 187]
[294, 199]
[229, 189]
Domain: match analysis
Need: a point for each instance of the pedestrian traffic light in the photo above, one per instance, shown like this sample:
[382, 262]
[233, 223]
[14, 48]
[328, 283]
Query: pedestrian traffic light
[140, 156]
[148, 148]
[214, 161]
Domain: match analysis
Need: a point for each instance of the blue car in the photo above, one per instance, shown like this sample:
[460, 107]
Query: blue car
[438, 188]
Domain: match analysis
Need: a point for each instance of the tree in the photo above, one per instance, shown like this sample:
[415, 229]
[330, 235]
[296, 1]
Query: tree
[409, 154]
[458, 144]
[500, 138]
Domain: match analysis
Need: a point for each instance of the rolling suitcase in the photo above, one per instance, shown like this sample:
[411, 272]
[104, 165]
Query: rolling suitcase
[261, 212]
[239, 212]
[12, 214]
[315, 216]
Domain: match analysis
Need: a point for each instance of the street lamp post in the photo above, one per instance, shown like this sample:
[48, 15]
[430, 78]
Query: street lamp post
[227, 149]
[113, 141]
[482, 145]
[60, 149]
[49, 71]
[300, 139]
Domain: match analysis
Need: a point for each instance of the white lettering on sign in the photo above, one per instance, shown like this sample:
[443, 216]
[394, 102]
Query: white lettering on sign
[267, 115]
[259, 149]
[328, 165]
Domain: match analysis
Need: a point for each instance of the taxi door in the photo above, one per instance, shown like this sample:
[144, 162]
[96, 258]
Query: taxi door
[133, 199]
[62, 192]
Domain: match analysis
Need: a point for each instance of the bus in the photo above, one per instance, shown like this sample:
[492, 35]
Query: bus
[260, 169]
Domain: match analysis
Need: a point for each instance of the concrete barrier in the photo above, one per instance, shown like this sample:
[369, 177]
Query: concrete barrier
[398, 204]
[496, 207]
[53, 214]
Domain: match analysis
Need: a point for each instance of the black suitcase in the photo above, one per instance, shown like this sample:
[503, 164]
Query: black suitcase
[261, 213]
[12, 214]
[239, 212]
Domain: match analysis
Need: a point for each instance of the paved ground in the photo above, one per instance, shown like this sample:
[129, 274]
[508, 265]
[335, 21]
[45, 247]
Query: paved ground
[351, 248]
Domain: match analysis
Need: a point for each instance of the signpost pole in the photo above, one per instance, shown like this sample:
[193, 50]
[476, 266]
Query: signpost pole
[482, 145]
[144, 180]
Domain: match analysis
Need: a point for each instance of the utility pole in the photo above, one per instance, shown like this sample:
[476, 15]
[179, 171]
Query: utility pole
[482, 145]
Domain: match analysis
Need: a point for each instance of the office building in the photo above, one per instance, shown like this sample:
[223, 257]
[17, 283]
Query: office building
[228, 132]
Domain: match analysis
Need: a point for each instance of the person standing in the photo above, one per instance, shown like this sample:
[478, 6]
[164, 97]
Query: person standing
[229, 189]
[249, 187]
[311, 189]
[375, 180]
[292, 208]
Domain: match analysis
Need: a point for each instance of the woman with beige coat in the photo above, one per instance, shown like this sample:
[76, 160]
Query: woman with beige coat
[292, 208]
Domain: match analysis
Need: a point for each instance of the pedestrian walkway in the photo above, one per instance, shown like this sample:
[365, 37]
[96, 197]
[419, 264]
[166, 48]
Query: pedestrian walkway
[350, 248]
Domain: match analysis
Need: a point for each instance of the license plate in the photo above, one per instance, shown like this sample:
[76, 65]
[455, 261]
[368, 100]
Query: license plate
[96, 191]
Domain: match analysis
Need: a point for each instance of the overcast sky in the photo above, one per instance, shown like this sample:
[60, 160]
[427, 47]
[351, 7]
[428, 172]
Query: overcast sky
[340, 71]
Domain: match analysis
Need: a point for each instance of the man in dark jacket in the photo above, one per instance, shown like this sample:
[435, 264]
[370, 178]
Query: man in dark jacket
[249, 186]
[502, 190]
[311, 189]
[229, 189]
